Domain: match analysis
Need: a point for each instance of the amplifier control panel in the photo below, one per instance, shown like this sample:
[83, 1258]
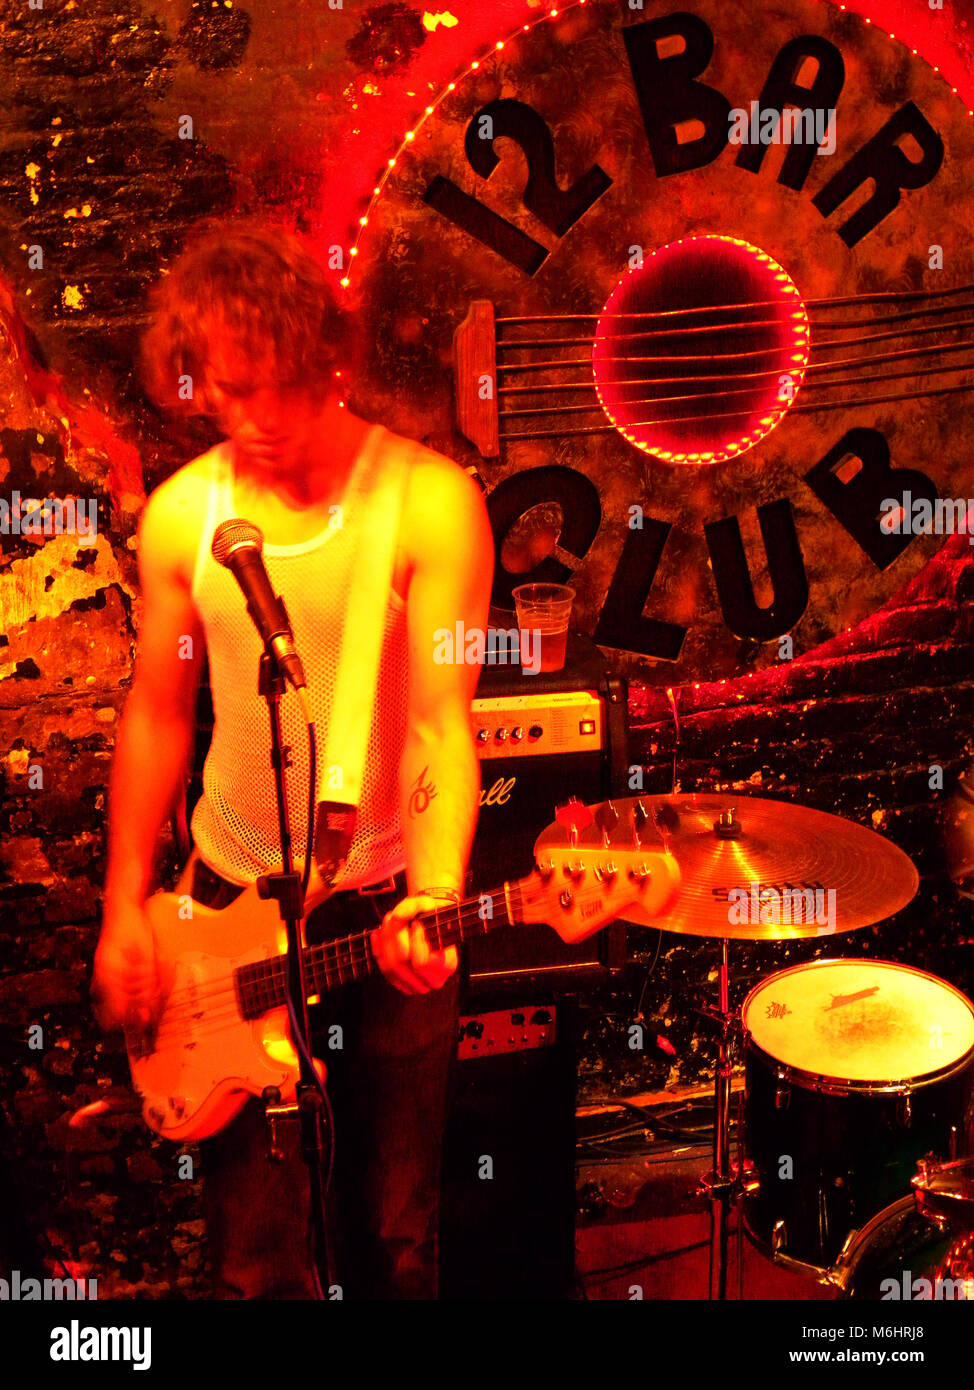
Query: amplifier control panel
[524, 726]
[506, 1030]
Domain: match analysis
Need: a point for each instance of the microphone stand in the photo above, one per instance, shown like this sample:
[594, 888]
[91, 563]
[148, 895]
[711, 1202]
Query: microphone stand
[288, 891]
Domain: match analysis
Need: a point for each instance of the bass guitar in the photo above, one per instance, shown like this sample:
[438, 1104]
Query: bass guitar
[222, 1034]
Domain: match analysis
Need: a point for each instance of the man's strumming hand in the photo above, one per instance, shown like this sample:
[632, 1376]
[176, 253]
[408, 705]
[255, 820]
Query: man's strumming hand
[125, 989]
[403, 953]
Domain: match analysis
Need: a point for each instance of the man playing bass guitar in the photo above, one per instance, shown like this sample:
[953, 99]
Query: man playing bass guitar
[246, 316]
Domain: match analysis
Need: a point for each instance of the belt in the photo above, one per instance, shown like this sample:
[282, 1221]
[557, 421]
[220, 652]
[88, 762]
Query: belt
[388, 885]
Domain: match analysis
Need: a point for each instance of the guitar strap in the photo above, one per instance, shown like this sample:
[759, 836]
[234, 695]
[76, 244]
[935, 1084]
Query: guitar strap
[380, 499]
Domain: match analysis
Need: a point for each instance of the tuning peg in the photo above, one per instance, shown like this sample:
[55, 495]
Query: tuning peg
[573, 816]
[606, 818]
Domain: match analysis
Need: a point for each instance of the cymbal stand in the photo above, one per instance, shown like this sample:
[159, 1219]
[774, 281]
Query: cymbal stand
[719, 1184]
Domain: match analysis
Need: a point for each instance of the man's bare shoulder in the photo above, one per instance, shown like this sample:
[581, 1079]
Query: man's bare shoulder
[186, 486]
[437, 482]
[445, 512]
[174, 515]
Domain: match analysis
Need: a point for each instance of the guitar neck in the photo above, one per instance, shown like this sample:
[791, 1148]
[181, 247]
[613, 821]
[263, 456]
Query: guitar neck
[262, 985]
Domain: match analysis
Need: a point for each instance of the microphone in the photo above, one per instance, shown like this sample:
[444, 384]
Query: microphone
[238, 545]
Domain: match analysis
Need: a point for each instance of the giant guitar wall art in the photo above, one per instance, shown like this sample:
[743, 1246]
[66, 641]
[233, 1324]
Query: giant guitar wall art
[690, 362]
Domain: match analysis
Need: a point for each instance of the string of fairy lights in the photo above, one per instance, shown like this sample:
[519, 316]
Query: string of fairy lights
[474, 66]
[430, 110]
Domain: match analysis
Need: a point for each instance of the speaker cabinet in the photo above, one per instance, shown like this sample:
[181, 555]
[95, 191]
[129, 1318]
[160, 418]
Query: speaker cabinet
[507, 1221]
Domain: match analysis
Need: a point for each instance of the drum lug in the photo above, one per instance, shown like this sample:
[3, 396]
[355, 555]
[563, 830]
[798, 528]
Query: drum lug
[779, 1237]
[782, 1094]
[905, 1110]
[747, 1178]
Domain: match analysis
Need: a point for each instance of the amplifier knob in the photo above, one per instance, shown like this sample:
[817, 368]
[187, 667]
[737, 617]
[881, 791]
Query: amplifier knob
[535, 731]
[517, 734]
[483, 735]
[501, 735]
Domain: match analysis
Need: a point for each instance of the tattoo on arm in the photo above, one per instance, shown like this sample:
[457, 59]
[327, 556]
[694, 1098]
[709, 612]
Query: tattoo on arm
[421, 795]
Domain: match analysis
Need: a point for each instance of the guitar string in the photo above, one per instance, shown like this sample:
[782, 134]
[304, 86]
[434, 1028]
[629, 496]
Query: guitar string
[827, 345]
[854, 379]
[708, 395]
[810, 407]
[683, 330]
[267, 994]
[338, 959]
[875, 359]
[828, 302]
[340, 949]
[731, 374]
[355, 950]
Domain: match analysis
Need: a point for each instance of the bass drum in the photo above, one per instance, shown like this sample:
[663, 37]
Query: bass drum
[907, 1254]
[855, 1069]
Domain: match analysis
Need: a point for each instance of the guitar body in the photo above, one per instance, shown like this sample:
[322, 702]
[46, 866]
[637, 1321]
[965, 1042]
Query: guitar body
[205, 1060]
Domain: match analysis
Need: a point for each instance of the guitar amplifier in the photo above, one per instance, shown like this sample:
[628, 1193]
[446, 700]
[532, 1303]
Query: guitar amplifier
[542, 739]
[507, 1215]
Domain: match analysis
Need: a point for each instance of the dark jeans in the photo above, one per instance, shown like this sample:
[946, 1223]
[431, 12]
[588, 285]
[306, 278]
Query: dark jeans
[389, 1083]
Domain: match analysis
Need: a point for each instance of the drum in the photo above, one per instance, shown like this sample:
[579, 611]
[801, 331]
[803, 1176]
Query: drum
[907, 1253]
[854, 1070]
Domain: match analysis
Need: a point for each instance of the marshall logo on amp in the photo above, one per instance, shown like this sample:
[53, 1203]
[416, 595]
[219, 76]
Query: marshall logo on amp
[690, 287]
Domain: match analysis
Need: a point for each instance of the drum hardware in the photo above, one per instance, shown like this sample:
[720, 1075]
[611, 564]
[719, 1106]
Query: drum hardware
[719, 1185]
[945, 1190]
[768, 858]
[868, 1095]
[744, 1177]
[921, 1246]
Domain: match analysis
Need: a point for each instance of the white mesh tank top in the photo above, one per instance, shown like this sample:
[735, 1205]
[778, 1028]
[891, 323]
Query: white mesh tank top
[234, 824]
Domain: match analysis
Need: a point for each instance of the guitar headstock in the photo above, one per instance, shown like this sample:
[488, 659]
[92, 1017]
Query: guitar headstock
[577, 889]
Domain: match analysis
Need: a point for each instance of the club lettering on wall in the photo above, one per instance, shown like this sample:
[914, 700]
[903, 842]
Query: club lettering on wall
[692, 288]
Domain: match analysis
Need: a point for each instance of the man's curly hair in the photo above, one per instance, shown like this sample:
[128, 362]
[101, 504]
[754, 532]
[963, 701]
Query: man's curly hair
[268, 289]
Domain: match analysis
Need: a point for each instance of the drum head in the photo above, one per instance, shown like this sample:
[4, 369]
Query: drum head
[858, 1020]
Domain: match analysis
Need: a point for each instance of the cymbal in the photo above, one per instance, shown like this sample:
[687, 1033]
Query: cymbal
[772, 870]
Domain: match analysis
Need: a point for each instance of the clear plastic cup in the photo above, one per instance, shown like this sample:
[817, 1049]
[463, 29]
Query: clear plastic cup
[543, 612]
